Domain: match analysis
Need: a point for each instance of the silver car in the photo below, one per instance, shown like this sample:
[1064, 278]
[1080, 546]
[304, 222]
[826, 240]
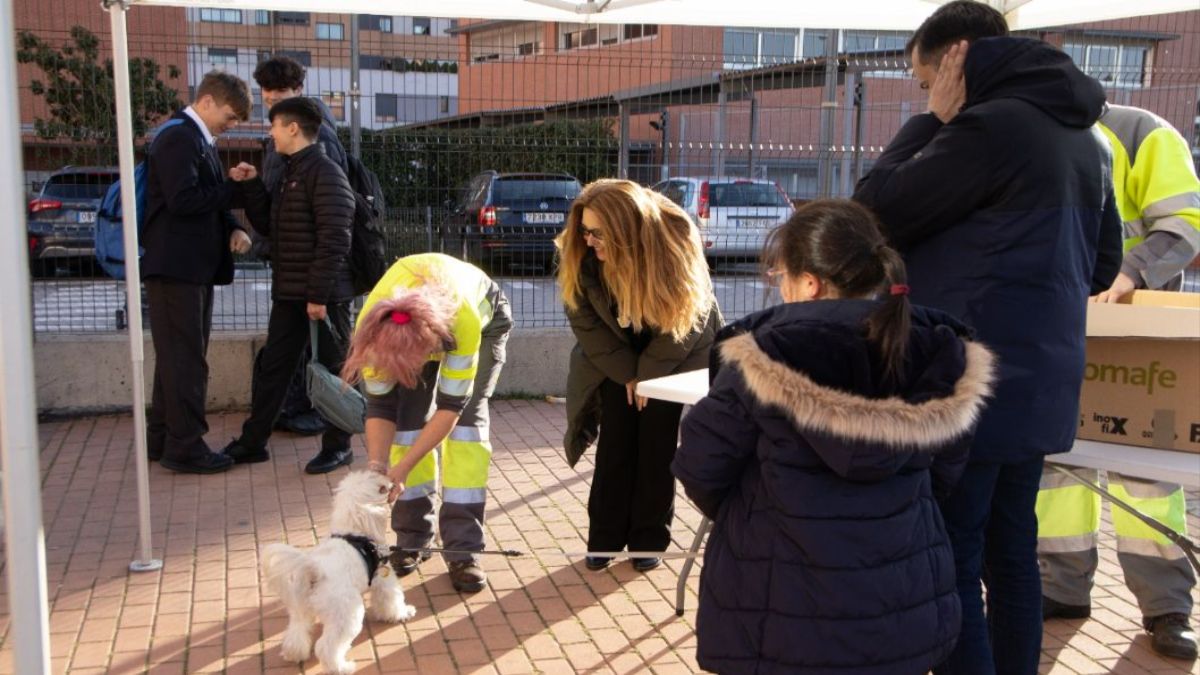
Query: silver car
[734, 214]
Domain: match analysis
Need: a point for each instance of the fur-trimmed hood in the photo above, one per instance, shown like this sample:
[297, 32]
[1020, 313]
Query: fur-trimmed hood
[812, 362]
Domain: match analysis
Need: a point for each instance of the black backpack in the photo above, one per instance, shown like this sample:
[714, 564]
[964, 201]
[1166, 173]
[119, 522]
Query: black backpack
[368, 254]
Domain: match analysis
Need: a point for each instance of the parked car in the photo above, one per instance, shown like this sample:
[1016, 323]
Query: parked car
[510, 219]
[734, 215]
[61, 220]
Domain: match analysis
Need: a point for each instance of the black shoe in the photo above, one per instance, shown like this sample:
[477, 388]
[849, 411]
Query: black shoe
[1172, 636]
[596, 563]
[305, 424]
[646, 564]
[328, 460]
[209, 463]
[405, 562]
[241, 453]
[1053, 609]
[154, 454]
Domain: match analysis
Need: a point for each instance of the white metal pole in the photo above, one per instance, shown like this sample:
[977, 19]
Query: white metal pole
[25, 546]
[133, 287]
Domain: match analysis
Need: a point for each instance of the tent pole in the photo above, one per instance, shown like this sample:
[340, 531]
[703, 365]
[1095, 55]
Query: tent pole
[25, 546]
[133, 288]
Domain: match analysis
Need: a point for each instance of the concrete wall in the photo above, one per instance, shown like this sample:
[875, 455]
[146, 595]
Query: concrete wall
[90, 373]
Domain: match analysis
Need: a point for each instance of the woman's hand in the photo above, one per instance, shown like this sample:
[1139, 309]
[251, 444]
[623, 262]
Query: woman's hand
[632, 396]
[398, 475]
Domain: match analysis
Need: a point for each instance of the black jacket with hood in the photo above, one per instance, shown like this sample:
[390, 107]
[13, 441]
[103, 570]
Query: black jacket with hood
[1006, 219]
[828, 552]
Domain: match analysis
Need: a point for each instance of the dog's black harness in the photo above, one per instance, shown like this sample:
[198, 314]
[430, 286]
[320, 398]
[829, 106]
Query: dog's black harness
[366, 548]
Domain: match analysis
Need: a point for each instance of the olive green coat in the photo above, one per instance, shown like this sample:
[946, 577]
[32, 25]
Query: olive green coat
[603, 350]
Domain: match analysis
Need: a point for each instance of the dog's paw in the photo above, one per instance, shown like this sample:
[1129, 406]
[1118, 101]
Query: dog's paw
[296, 653]
[391, 614]
[346, 667]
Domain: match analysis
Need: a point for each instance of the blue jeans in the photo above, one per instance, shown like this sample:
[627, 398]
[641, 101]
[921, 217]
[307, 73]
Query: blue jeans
[993, 529]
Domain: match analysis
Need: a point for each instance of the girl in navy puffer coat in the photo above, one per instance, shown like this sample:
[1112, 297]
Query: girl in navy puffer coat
[830, 429]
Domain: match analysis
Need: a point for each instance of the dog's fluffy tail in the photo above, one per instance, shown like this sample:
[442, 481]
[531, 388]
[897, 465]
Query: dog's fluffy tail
[289, 573]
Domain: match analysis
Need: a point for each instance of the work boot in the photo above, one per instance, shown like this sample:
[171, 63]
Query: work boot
[466, 576]
[1053, 609]
[328, 460]
[1171, 635]
[406, 562]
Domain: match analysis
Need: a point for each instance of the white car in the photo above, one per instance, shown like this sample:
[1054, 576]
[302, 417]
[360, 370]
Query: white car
[734, 215]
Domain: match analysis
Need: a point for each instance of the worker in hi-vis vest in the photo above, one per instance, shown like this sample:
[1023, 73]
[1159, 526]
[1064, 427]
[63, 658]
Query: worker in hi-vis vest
[1158, 196]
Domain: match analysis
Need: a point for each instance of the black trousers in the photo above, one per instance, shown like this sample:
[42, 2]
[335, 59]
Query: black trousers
[180, 322]
[287, 335]
[632, 500]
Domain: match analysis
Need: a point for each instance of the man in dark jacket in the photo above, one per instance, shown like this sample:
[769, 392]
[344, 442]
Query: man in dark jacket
[308, 222]
[1000, 197]
[282, 78]
[189, 239]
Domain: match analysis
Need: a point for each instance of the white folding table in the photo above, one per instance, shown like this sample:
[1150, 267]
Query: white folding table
[1161, 465]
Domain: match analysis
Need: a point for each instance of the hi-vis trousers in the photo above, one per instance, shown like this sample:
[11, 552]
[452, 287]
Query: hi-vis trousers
[1156, 570]
[461, 463]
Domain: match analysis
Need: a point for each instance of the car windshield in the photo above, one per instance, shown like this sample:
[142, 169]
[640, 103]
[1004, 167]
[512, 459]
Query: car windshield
[746, 194]
[520, 189]
[78, 185]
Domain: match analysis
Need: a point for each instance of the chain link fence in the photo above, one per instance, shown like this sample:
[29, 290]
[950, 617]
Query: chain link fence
[481, 132]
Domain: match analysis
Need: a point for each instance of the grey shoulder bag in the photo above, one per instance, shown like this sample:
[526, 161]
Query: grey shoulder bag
[342, 405]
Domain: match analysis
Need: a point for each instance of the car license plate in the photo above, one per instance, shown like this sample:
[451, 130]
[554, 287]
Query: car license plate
[87, 217]
[545, 218]
[753, 222]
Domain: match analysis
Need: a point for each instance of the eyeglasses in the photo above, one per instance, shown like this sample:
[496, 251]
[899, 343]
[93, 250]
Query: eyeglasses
[774, 277]
[594, 233]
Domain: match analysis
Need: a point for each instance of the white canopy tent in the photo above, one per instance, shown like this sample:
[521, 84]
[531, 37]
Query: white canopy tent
[21, 480]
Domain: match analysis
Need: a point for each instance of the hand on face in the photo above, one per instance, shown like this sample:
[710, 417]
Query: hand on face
[948, 91]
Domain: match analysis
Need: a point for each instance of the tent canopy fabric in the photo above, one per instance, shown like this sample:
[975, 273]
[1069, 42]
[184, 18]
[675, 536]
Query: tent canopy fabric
[860, 14]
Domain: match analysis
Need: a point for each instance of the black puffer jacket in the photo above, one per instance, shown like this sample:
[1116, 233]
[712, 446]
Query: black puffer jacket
[828, 552]
[308, 223]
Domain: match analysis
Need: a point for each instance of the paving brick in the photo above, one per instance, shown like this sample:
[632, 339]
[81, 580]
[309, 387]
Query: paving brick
[207, 611]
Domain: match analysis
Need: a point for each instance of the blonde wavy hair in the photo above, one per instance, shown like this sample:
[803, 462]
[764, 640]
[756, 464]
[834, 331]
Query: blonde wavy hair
[654, 268]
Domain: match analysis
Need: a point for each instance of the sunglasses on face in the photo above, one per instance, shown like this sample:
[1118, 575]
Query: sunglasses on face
[594, 233]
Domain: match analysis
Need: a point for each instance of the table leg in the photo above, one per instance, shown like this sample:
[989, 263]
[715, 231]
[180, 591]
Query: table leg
[701, 531]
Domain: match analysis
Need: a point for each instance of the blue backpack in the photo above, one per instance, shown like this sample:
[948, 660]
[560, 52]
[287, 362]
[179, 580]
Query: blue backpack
[110, 232]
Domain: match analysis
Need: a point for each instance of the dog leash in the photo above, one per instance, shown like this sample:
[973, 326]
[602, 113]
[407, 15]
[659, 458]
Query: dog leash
[565, 554]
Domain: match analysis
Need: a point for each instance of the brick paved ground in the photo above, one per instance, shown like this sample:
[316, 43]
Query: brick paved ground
[205, 611]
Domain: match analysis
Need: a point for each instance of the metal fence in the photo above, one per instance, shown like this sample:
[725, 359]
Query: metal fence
[442, 109]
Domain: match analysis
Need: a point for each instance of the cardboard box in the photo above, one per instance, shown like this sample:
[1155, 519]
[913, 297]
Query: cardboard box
[1142, 381]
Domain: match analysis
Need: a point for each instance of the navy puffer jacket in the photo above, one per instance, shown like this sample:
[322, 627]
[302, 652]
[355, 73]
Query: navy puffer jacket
[828, 553]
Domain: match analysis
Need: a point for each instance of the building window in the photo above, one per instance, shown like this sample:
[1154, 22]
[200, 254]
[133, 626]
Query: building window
[529, 48]
[383, 24]
[262, 17]
[1114, 64]
[640, 30]
[385, 107]
[336, 100]
[256, 109]
[858, 41]
[443, 104]
[813, 44]
[752, 48]
[330, 31]
[222, 56]
[420, 25]
[778, 48]
[221, 15]
[303, 58]
[264, 55]
[291, 18]
[585, 37]
[741, 49]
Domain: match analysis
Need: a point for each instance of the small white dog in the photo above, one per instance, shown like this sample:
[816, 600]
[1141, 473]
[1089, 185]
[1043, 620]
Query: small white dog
[325, 584]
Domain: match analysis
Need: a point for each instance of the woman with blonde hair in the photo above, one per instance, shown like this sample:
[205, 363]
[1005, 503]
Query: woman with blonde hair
[639, 299]
[429, 346]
